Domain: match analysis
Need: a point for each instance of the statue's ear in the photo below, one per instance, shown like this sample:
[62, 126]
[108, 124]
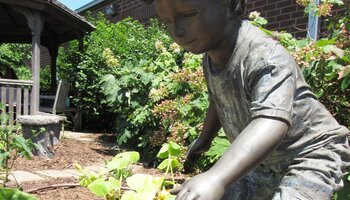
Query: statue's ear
[236, 8]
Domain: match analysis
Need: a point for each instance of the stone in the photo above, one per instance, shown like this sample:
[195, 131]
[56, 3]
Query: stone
[23, 176]
[55, 174]
[43, 130]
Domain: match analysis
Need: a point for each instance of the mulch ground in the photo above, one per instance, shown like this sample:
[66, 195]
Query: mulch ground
[67, 152]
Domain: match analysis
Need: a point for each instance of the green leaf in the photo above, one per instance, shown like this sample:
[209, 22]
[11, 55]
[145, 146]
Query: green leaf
[100, 187]
[345, 83]
[219, 146]
[325, 42]
[334, 49]
[164, 151]
[23, 143]
[163, 165]
[174, 163]
[131, 156]
[146, 184]
[15, 194]
[120, 163]
[129, 195]
[174, 149]
[3, 156]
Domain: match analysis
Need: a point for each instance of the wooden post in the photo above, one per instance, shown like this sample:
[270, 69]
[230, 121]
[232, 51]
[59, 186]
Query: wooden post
[53, 50]
[36, 24]
[314, 24]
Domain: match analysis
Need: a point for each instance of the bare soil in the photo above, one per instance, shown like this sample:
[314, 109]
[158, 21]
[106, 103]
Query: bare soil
[68, 151]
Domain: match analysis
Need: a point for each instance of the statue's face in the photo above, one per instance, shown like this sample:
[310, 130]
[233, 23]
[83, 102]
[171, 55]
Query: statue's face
[197, 25]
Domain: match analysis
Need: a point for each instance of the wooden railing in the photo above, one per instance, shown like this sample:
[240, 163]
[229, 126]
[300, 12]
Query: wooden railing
[15, 96]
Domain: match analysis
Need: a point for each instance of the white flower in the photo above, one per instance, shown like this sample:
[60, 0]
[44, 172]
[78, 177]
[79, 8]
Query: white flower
[254, 15]
[175, 47]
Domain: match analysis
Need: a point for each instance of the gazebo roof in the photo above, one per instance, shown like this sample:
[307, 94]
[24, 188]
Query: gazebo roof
[60, 23]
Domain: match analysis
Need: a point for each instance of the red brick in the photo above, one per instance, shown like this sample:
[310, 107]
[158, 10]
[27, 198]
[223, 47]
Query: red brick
[269, 7]
[298, 14]
[284, 17]
[289, 9]
[273, 13]
[288, 23]
[260, 3]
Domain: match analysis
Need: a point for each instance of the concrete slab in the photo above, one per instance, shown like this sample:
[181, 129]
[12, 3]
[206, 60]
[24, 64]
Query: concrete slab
[95, 168]
[55, 174]
[23, 176]
[87, 137]
[74, 172]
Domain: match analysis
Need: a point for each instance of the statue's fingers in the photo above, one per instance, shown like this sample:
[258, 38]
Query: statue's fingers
[175, 190]
[183, 194]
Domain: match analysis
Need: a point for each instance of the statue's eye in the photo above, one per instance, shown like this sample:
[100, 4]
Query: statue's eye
[190, 14]
[165, 21]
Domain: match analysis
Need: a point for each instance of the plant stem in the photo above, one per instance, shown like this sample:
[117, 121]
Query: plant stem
[120, 187]
[7, 146]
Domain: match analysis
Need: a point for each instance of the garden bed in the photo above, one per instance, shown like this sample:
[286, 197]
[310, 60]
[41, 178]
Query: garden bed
[93, 150]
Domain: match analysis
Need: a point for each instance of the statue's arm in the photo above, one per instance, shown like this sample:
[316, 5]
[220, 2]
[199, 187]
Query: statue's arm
[249, 149]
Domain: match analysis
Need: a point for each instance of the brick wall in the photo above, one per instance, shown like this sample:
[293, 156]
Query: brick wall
[284, 15]
[281, 14]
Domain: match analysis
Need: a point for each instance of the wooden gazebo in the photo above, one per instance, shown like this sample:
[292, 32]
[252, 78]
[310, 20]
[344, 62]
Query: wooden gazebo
[40, 22]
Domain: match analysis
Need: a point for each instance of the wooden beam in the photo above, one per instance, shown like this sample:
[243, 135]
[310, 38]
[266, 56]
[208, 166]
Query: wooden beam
[53, 50]
[36, 24]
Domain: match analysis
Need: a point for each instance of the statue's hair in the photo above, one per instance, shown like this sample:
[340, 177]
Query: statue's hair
[238, 6]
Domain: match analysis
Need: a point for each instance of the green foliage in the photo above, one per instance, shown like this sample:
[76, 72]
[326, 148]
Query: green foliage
[133, 46]
[12, 146]
[219, 145]
[12, 58]
[108, 182]
[15, 194]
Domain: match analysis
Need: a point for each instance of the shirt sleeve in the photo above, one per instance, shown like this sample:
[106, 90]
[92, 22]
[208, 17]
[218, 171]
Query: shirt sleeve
[271, 89]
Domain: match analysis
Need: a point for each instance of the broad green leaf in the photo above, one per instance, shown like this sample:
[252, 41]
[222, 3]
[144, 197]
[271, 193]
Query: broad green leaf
[23, 143]
[164, 151]
[219, 146]
[129, 195]
[120, 163]
[174, 149]
[163, 165]
[173, 163]
[131, 156]
[100, 187]
[144, 182]
[15, 194]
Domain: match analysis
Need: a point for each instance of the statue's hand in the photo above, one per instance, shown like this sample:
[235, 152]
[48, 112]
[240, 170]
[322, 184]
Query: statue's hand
[197, 147]
[204, 186]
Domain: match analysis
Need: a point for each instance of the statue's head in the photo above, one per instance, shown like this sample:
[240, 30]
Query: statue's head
[200, 25]
[238, 6]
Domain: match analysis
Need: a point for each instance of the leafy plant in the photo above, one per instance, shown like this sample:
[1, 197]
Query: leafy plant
[171, 153]
[8, 193]
[12, 58]
[108, 182]
[12, 146]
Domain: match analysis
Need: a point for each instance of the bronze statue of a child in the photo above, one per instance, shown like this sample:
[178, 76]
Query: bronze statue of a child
[285, 144]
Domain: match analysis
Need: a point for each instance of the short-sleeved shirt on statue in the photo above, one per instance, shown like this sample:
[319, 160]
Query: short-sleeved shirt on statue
[263, 80]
